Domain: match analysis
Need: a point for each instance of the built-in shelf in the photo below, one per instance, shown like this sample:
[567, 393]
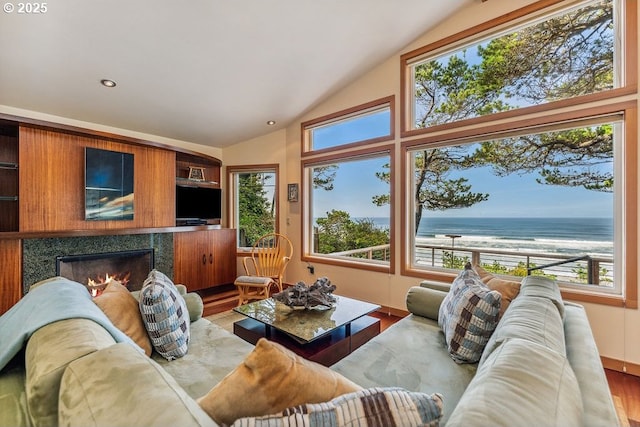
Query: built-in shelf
[8, 176]
[194, 181]
[7, 165]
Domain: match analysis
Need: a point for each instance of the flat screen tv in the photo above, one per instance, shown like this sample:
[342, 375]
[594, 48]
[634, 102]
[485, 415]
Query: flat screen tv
[197, 204]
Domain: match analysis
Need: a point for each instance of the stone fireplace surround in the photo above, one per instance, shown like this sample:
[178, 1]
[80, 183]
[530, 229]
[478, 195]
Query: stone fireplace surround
[39, 255]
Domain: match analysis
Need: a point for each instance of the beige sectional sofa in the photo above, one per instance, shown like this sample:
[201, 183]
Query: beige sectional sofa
[540, 367]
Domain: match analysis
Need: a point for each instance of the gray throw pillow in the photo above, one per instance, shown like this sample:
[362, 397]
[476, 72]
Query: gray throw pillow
[468, 316]
[165, 316]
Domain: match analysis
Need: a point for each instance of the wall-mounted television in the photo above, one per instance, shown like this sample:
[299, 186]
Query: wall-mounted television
[196, 204]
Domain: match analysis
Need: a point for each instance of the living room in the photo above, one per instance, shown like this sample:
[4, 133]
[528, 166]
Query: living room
[612, 316]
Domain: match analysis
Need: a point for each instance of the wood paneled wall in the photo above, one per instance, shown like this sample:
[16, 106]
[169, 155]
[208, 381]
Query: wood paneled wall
[51, 182]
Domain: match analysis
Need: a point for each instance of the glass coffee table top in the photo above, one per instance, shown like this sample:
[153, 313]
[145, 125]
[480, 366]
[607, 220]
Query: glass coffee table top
[306, 325]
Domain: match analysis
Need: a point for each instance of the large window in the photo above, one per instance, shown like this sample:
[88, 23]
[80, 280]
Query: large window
[552, 56]
[349, 216]
[253, 201]
[527, 158]
[348, 192]
[540, 203]
[362, 125]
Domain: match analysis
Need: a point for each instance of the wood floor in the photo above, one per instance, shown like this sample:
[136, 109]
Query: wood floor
[625, 388]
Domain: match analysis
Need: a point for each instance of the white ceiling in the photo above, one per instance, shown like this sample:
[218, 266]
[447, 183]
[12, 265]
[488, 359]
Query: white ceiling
[210, 72]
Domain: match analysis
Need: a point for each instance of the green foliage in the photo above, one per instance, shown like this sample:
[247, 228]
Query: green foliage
[256, 211]
[519, 270]
[563, 57]
[582, 274]
[449, 260]
[337, 232]
[324, 176]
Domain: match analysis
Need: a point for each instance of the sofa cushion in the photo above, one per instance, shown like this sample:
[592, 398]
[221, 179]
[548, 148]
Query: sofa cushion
[272, 378]
[532, 319]
[165, 315]
[389, 407]
[540, 286]
[205, 365]
[521, 384]
[582, 353]
[468, 316]
[122, 309]
[508, 289]
[13, 400]
[425, 302]
[119, 386]
[411, 354]
[48, 353]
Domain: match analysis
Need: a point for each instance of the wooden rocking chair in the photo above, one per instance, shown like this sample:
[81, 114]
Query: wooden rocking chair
[265, 267]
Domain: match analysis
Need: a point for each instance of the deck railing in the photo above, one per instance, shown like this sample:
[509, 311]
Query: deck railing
[564, 268]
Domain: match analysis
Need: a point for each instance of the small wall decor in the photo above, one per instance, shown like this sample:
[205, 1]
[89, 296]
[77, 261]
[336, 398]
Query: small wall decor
[292, 192]
[196, 174]
[108, 185]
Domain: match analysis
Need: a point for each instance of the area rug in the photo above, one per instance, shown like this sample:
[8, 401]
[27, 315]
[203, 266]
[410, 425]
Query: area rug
[225, 319]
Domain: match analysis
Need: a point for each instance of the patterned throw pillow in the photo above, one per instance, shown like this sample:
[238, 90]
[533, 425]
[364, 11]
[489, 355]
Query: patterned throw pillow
[165, 315]
[468, 316]
[389, 407]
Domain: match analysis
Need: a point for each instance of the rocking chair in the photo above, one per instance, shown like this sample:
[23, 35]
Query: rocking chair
[265, 267]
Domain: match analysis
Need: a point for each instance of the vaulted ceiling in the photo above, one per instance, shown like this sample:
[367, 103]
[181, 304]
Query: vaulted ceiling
[212, 72]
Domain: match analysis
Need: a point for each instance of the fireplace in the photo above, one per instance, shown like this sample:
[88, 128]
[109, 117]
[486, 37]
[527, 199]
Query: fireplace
[95, 270]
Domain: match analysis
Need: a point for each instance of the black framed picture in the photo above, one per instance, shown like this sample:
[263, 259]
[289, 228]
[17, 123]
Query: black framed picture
[108, 185]
[292, 192]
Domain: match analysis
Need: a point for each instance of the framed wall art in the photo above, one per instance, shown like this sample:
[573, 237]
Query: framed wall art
[108, 185]
[292, 192]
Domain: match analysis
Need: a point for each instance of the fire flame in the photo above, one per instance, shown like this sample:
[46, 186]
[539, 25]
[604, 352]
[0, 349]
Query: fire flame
[96, 287]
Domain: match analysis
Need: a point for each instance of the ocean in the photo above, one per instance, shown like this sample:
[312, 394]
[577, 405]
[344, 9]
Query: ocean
[567, 236]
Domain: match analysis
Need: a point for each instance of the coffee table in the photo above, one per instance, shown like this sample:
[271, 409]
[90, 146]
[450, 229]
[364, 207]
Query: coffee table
[322, 335]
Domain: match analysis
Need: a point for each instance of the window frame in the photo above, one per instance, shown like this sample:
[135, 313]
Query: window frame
[307, 211]
[358, 110]
[628, 83]
[232, 192]
[629, 291]
[623, 98]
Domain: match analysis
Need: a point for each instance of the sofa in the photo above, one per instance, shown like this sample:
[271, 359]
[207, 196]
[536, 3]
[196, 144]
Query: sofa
[539, 367]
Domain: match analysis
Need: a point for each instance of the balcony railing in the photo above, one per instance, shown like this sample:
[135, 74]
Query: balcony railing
[563, 268]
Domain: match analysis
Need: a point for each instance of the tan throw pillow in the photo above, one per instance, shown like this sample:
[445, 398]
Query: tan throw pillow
[271, 379]
[122, 309]
[509, 289]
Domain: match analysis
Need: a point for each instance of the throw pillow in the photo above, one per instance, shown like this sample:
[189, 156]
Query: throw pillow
[509, 289]
[165, 315]
[468, 316]
[387, 407]
[269, 380]
[122, 309]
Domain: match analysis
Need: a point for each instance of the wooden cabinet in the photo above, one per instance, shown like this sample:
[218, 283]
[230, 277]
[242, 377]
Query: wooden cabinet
[204, 259]
[10, 273]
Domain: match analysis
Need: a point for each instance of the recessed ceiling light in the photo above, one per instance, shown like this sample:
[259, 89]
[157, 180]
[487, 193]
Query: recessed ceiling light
[271, 122]
[108, 83]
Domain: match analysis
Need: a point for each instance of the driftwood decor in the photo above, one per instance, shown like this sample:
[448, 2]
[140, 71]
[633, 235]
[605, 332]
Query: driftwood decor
[300, 296]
